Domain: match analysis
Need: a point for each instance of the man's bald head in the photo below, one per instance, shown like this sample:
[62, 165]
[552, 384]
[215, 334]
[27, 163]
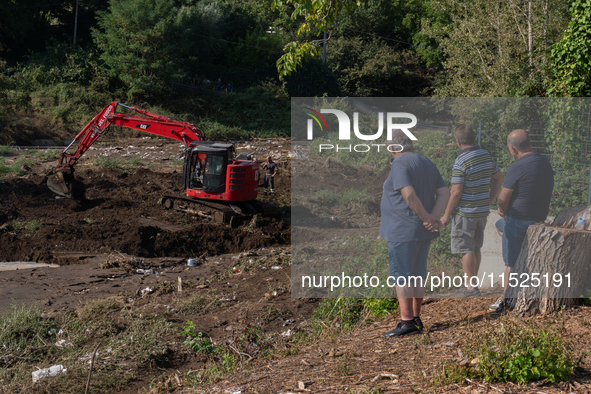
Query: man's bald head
[519, 139]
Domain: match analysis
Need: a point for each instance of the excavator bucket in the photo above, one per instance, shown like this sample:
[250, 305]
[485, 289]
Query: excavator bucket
[64, 184]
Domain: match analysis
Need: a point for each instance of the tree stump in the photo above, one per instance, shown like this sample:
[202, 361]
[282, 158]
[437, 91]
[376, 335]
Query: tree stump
[554, 266]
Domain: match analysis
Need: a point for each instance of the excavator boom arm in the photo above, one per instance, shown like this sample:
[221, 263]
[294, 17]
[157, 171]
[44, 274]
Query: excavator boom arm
[149, 122]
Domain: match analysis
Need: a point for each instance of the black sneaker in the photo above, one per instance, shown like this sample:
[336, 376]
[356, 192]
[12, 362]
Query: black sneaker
[403, 329]
[417, 321]
[474, 293]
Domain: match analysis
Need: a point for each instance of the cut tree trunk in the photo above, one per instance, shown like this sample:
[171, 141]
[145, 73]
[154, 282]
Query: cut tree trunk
[557, 255]
[568, 216]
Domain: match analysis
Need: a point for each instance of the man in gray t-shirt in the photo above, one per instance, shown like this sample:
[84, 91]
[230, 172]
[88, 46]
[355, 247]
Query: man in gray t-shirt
[524, 200]
[415, 195]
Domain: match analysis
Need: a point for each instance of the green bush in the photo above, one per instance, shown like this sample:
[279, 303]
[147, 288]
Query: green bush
[373, 68]
[343, 314]
[196, 342]
[521, 353]
[313, 79]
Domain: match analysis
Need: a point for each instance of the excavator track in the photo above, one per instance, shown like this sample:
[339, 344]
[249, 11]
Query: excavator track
[234, 214]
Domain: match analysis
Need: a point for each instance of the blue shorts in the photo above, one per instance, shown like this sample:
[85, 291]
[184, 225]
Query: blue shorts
[513, 235]
[408, 258]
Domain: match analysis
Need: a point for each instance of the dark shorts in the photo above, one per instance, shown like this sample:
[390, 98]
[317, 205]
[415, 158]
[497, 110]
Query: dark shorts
[467, 234]
[513, 235]
[408, 259]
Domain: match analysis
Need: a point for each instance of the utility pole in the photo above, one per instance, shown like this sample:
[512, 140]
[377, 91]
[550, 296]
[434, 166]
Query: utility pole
[76, 23]
[324, 50]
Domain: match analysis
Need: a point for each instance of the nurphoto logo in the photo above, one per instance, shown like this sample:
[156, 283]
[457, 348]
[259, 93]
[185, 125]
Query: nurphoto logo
[345, 129]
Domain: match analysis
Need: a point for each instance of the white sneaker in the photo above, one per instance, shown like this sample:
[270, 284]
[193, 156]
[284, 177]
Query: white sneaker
[497, 304]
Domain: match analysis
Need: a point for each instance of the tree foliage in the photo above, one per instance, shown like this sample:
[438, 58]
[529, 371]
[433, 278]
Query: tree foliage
[372, 68]
[570, 58]
[28, 26]
[312, 80]
[399, 23]
[22, 27]
[490, 47]
[317, 16]
[142, 42]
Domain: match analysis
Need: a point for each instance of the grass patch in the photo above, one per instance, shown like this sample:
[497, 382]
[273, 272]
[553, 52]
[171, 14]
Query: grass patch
[44, 154]
[337, 315]
[350, 199]
[193, 306]
[27, 226]
[127, 338]
[16, 167]
[123, 164]
[6, 150]
[224, 357]
[521, 352]
[451, 373]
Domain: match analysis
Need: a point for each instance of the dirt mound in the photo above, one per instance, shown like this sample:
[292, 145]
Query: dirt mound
[121, 213]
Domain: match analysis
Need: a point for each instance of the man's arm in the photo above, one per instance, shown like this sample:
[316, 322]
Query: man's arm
[456, 195]
[442, 196]
[430, 220]
[496, 180]
[441, 199]
[504, 199]
[411, 198]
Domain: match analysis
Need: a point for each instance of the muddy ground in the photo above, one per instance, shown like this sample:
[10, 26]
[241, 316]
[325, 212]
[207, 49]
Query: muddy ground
[122, 245]
[120, 241]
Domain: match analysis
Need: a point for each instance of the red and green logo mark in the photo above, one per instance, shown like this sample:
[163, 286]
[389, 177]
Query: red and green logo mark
[316, 115]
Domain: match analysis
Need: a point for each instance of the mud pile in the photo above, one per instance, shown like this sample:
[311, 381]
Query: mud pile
[121, 214]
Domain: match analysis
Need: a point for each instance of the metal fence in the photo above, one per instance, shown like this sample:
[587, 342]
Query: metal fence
[571, 164]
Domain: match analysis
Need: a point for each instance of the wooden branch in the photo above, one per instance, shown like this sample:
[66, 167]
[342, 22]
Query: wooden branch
[90, 370]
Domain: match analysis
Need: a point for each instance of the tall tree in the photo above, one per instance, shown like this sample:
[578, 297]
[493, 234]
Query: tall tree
[491, 47]
[142, 41]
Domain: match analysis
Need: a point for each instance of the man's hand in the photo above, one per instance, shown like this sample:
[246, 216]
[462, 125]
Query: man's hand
[501, 213]
[444, 221]
[432, 223]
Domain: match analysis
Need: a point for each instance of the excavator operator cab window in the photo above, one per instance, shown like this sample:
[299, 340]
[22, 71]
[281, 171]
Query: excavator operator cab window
[214, 172]
[214, 165]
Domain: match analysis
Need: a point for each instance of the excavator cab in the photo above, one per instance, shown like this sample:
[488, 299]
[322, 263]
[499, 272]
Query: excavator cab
[206, 165]
[212, 172]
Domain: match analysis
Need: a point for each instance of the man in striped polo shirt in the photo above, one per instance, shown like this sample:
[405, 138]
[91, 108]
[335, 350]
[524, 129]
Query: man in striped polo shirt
[475, 183]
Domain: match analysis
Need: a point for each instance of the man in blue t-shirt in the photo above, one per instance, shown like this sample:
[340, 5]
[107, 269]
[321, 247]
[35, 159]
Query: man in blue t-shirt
[524, 200]
[415, 195]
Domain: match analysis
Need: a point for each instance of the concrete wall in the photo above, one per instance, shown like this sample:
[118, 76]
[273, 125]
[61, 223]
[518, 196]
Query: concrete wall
[492, 251]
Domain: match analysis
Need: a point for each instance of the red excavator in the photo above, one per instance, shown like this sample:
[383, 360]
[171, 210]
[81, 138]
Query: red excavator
[218, 185]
